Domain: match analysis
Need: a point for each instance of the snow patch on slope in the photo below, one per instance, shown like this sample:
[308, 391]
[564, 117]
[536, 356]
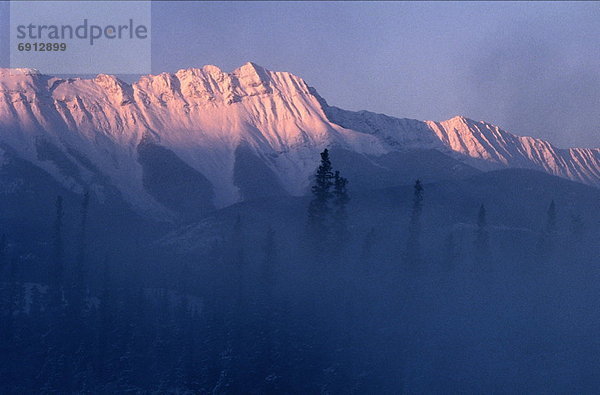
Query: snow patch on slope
[204, 114]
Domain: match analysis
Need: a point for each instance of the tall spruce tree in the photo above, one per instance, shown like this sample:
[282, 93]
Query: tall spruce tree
[413, 245]
[318, 209]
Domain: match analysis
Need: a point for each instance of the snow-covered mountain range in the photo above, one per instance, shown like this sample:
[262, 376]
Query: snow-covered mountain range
[201, 138]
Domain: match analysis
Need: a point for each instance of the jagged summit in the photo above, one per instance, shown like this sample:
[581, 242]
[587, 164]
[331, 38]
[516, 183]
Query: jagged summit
[250, 67]
[208, 119]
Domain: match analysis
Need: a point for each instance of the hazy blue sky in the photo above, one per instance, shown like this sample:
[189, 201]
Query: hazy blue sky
[531, 68]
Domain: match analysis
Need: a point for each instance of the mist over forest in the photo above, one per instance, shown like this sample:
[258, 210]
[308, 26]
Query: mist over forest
[484, 283]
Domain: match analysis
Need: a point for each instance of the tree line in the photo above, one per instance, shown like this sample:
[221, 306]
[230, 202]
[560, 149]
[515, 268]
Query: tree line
[243, 320]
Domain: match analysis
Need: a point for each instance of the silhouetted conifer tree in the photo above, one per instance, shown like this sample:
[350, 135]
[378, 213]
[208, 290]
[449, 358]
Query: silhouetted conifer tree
[318, 209]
